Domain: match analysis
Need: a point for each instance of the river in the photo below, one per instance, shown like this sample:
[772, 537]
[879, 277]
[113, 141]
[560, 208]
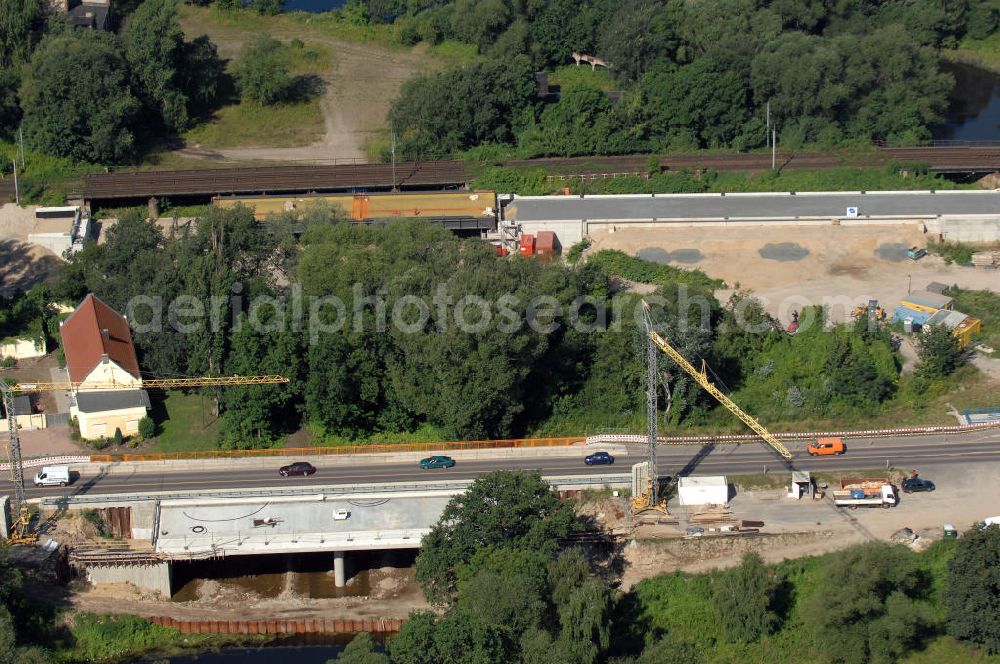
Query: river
[974, 105]
[314, 6]
[319, 654]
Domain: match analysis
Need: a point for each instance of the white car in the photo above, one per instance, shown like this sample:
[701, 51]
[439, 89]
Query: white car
[340, 515]
[52, 476]
[991, 521]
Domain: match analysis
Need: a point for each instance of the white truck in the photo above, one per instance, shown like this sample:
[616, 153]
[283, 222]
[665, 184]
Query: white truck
[865, 493]
[52, 476]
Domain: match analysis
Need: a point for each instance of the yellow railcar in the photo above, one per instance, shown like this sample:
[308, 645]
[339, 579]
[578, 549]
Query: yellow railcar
[474, 209]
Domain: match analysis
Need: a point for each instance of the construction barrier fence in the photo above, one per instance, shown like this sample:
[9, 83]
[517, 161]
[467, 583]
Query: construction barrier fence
[518, 443]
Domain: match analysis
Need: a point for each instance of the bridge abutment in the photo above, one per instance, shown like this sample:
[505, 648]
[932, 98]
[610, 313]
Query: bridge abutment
[152, 576]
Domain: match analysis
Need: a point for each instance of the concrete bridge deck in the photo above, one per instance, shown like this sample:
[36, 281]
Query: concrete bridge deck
[193, 528]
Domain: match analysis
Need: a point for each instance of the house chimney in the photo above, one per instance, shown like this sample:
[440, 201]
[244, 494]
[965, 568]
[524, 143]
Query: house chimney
[105, 335]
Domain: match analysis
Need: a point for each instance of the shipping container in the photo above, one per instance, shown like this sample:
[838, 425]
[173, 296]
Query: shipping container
[546, 243]
[527, 244]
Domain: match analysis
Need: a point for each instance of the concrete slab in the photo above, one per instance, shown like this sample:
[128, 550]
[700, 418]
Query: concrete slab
[254, 526]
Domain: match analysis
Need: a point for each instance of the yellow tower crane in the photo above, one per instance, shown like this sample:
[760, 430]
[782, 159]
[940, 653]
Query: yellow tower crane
[649, 499]
[20, 532]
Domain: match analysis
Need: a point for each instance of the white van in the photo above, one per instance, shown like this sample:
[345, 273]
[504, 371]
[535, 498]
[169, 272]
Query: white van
[53, 476]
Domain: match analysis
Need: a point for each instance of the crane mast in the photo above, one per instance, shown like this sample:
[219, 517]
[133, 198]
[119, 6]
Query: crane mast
[19, 532]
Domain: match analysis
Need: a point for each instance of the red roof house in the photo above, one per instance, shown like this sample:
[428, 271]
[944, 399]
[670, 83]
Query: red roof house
[93, 335]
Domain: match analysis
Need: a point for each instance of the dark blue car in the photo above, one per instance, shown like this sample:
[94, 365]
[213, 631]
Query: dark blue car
[599, 459]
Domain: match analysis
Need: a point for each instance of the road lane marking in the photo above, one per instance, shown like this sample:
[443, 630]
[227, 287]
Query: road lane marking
[419, 477]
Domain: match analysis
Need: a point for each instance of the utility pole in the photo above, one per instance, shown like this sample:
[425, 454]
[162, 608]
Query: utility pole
[17, 194]
[774, 148]
[20, 132]
[393, 130]
[767, 134]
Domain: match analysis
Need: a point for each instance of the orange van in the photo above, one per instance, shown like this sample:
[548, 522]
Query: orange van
[826, 447]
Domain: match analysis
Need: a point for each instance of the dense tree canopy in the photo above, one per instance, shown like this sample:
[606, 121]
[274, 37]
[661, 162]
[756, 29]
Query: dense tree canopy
[695, 74]
[459, 108]
[871, 603]
[76, 98]
[972, 597]
[20, 21]
[154, 48]
[746, 598]
[503, 510]
[96, 96]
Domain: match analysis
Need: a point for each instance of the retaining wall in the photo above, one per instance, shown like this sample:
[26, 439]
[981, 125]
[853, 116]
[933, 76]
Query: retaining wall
[154, 577]
[953, 228]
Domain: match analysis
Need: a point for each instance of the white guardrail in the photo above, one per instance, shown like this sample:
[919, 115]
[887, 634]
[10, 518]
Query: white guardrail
[806, 435]
[604, 439]
[48, 461]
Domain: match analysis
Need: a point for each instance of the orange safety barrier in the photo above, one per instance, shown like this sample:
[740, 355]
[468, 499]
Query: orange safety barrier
[340, 450]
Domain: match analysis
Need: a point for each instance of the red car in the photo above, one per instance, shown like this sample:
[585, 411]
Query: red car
[298, 468]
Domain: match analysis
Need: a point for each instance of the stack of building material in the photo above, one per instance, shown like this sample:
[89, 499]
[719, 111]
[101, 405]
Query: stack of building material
[989, 259]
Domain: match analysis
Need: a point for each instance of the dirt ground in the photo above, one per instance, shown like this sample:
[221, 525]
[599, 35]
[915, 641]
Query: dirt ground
[965, 494]
[22, 265]
[788, 267]
[360, 86]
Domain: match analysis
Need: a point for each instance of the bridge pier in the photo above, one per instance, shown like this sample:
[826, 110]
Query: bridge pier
[339, 577]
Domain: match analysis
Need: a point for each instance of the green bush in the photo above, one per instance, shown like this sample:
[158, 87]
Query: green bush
[147, 428]
[576, 251]
[952, 252]
[7, 362]
[107, 638]
[619, 264]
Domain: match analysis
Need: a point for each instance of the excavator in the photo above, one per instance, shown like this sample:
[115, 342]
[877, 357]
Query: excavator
[871, 310]
[649, 499]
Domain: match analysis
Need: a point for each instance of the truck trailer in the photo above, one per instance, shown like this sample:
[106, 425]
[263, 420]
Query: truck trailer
[865, 493]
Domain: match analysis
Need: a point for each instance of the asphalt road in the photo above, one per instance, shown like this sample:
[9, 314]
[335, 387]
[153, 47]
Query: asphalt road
[693, 206]
[747, 458]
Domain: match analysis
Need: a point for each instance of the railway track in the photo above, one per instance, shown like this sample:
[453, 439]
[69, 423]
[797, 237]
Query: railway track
[273, 179]
[436, 174]
[937, 158]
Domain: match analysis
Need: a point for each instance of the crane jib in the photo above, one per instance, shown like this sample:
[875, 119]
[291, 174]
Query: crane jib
[701, 377]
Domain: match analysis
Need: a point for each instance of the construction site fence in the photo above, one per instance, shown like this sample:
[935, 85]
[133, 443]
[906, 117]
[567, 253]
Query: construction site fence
[626, 439]
[519, 443]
